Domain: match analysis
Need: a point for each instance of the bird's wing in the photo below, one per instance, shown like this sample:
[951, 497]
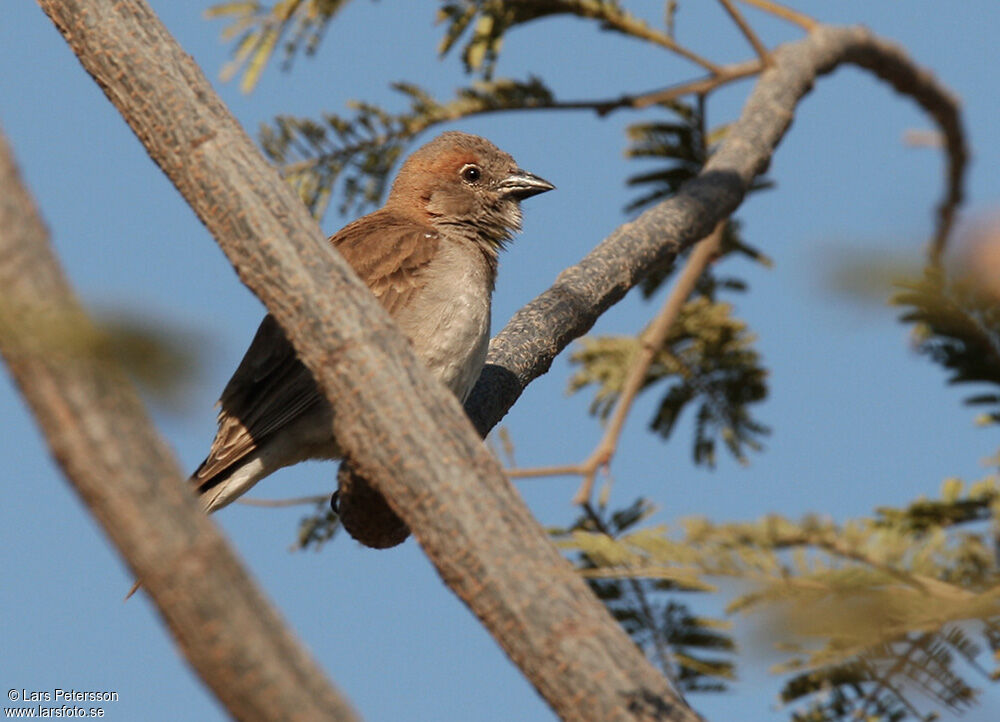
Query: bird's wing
[388, 252]
[271, 388]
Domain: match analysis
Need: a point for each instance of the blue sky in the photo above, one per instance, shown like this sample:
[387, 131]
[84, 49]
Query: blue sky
[858, 420]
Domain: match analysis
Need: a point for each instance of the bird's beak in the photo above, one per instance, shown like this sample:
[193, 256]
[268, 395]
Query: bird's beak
[521, 184]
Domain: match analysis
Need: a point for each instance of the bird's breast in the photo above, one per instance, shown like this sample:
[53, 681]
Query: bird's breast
[448, 320]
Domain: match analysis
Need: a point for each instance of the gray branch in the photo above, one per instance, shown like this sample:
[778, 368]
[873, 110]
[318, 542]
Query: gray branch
[526, 347]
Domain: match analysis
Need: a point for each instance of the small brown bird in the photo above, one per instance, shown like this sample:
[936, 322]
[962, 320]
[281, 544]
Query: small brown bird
[430, 257]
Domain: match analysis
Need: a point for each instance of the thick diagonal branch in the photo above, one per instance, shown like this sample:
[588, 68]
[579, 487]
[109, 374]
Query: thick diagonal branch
[526, 347]
[100, 434]
[401, 429]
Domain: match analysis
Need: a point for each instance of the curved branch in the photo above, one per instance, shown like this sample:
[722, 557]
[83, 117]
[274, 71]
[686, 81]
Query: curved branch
[652, 341]
[98, 430]
[613, 17]
[526, 347]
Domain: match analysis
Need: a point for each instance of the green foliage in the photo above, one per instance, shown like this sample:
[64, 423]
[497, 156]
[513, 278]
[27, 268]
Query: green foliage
[957, 324]
[317, 528]
[257, 29]
[707, 361]
[490, 20]
[867, 612]
[692, 650]
[708, 358]
[866, 687]
[838, 693]
[361, 148]
[360, 151]
[681, 141]
[680, 147]
[159, 358]
[955, 507]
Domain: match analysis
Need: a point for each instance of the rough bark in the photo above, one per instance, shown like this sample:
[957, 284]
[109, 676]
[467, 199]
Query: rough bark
[100, 435]
[536, 334]
[402, 431]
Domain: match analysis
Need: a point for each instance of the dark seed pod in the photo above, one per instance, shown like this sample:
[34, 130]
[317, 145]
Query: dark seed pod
[364, 512]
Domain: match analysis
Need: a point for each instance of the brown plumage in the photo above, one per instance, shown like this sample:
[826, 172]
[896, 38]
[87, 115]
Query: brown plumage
[430, 257]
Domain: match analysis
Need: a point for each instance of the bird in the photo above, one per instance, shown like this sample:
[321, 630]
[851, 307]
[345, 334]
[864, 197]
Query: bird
[430, 257]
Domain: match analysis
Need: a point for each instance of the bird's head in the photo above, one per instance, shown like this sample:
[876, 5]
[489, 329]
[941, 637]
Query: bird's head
[466, 184]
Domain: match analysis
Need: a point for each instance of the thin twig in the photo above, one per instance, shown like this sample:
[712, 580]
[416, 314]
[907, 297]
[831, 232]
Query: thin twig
[669, 13]
[652, 340]
[640, 29]
[457, 110]
[747, 31]
[278, 503]
[728, 74]
[539, 471]
[884, 681]
[793, 16]
[528, 344]
[617, 19]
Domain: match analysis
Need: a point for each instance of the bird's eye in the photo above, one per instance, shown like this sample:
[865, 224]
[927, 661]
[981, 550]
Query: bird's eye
[471, 173]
